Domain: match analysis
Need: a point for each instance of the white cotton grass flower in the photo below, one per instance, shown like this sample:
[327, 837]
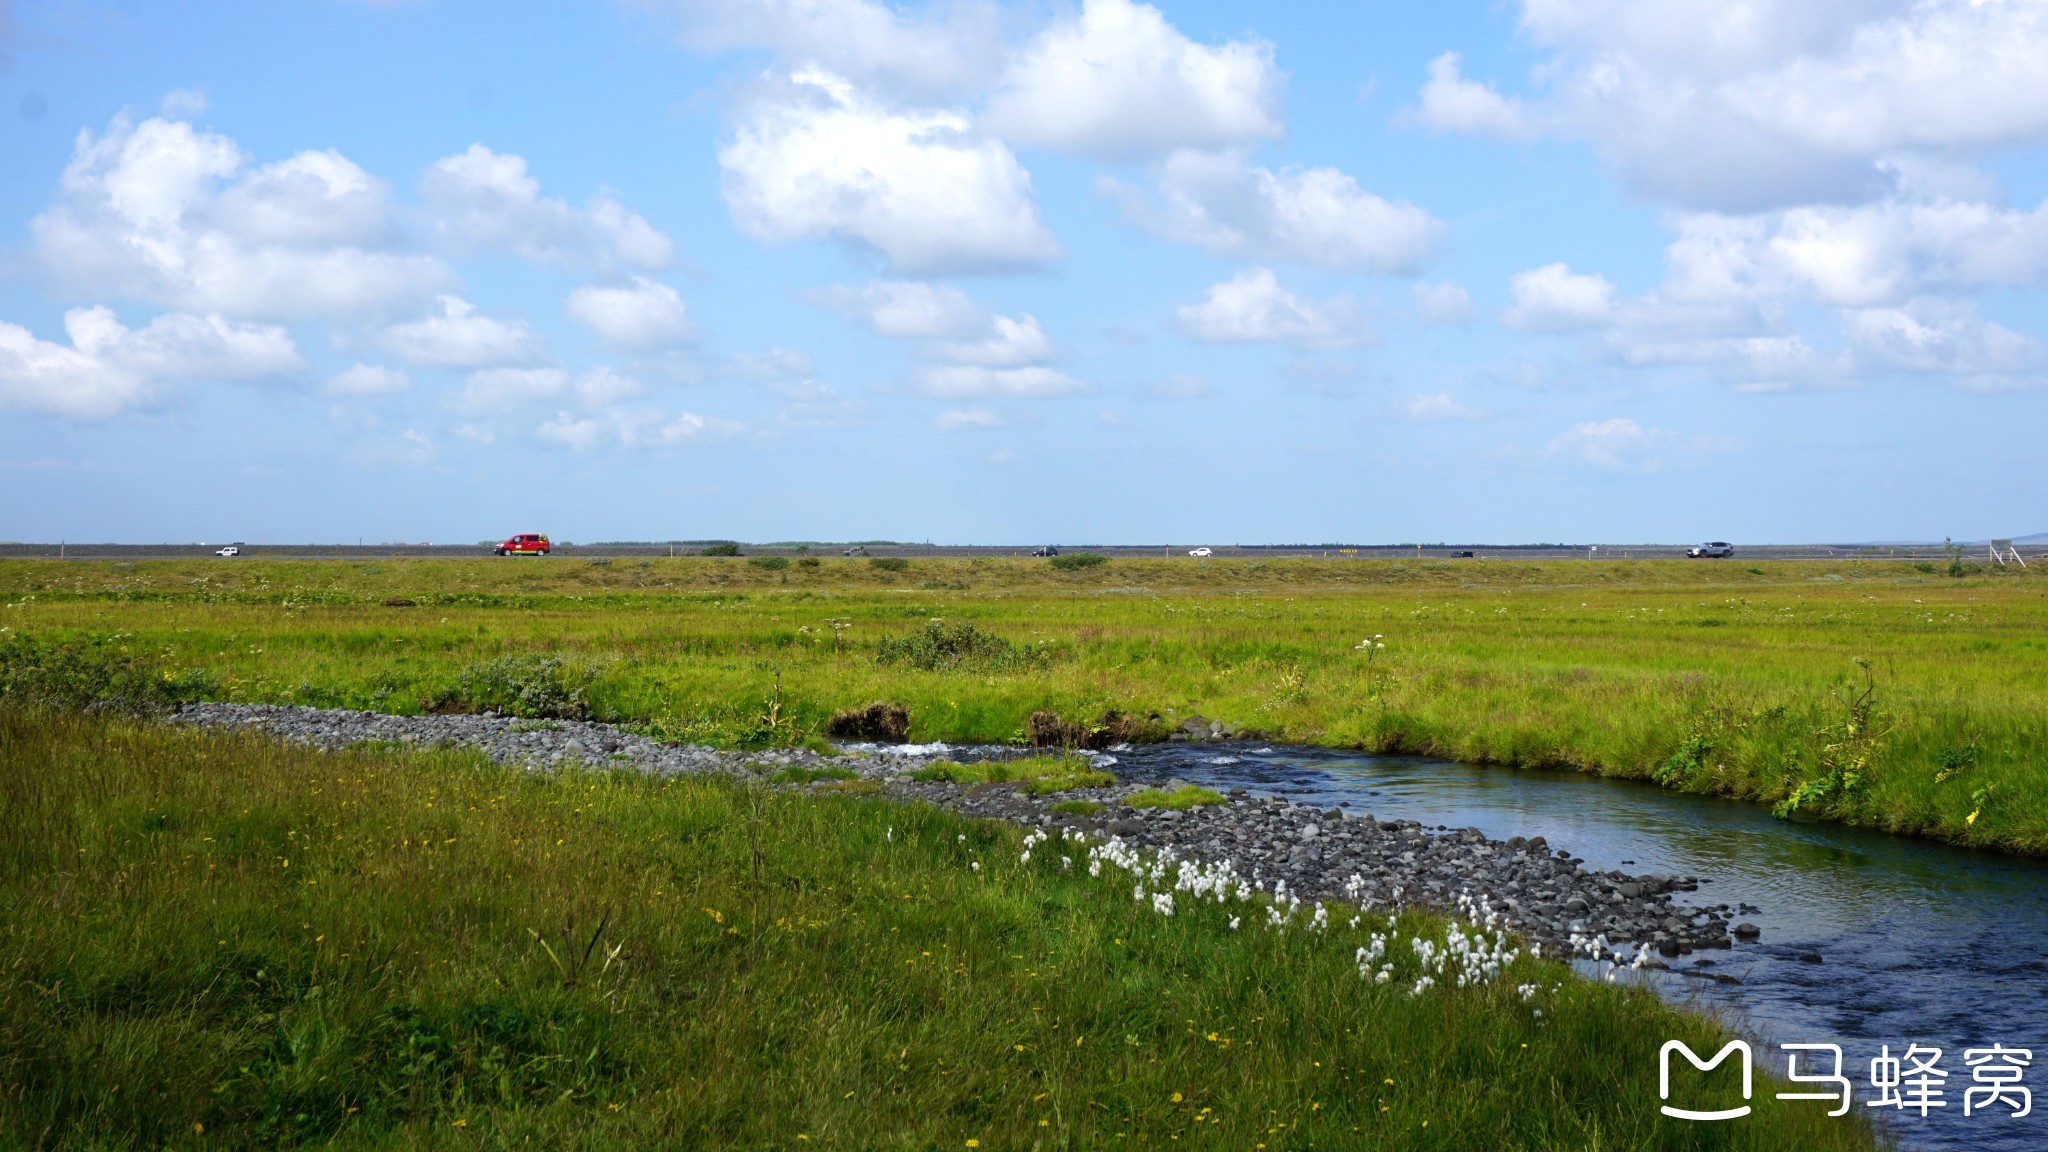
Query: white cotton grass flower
[890, 835]
[975, 864]
[1233, 923]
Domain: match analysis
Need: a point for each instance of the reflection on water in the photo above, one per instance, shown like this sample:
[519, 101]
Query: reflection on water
[1868, 939]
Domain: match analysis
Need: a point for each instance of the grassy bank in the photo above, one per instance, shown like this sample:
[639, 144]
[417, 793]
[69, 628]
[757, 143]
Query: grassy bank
[1874, 692]
[214, 941]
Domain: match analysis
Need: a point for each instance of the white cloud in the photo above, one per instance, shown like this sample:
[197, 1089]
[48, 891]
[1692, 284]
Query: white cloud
[1553, 298]
[366, 380]
[634, 428]
[154, 212]
[639, 317]
[462, 337]
[484, 201]
[1119, 82]
[773, 366]
[1442, 303]
[1437, 407]
[951, 47]
[109, 368]
[505, 389]
[1858, 256]
[1614, 443]
[970, 381]
[1774, 102]
[907, 309]
[822, 160]
[1316, 216]
[1011, 341]
[1941, 337]
[1252, 307]
[960, 419]
[1451, 103]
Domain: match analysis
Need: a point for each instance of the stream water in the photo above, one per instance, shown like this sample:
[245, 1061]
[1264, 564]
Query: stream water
[1868, 939]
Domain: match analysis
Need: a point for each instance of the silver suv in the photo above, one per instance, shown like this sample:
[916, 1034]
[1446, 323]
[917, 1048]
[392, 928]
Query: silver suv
[1712, 550]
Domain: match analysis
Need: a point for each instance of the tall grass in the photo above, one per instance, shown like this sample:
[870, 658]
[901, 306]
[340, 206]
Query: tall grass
[213, 941]
[1704, 677]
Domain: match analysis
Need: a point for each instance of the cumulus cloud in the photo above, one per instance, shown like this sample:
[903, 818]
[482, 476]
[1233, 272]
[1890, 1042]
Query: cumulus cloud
[1451, 103]
[506, 389]
[1861, 255]
[1442, 303]
[484, 201]
[462, 337]
[638, 317]
[109, 368]
[1741, 107]
[961, 419]
[1317, 216]
[160, 212]
[822, 160]
[1252, 307]
[1010, 342]
[946, 49]
[1941, 337]
[1553, 298]
[907, 309]
[366, 380]
[634, 428]
[1119, 82]
[973, 381]
[1433, 408]
[1615, 443]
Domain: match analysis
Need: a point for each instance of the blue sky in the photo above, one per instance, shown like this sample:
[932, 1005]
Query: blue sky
[1552, 270]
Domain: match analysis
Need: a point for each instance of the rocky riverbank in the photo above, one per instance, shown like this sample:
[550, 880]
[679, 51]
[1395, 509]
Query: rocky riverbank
[1541, 891]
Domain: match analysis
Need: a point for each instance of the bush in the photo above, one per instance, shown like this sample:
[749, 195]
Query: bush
[941, 647]
[720, 550]
[888, 563]
[881, 722]
[771, 563]
[1075, 561]
[95, 675]
[528, 686]
[807, 562]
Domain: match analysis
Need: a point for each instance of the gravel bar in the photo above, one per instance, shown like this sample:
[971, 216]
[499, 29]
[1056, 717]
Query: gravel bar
[1544, 893]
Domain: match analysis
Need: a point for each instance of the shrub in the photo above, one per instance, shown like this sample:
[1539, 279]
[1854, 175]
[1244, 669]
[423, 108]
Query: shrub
[95, 675]
[888, 563]
[881, 722]
[807, 561]
[939, 647]
[727, 549]
[528, 686]
[1074, 561]
[1048, 730]
[771, 563]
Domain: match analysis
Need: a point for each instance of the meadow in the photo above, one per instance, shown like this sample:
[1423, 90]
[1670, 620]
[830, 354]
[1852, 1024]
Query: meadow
[1880, 693]
[213, 940]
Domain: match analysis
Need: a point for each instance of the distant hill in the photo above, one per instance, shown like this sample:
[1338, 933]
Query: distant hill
[2036, 538]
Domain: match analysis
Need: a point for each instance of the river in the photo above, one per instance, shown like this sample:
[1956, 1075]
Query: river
[1868, 939]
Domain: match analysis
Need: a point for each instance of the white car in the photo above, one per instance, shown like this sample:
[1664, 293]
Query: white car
[230, 550]
[1200, 552]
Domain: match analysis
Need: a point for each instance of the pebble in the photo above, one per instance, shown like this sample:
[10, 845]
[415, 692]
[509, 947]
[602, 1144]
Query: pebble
[1331, 854]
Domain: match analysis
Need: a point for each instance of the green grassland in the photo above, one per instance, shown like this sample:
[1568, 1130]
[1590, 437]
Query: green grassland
[1875, 692]
[211, 940]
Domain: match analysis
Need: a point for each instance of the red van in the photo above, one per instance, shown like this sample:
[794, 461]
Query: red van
[524, 544]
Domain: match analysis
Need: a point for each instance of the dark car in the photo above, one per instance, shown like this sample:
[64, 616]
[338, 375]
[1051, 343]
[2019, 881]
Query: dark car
[1712, 550]
[1048, 550]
